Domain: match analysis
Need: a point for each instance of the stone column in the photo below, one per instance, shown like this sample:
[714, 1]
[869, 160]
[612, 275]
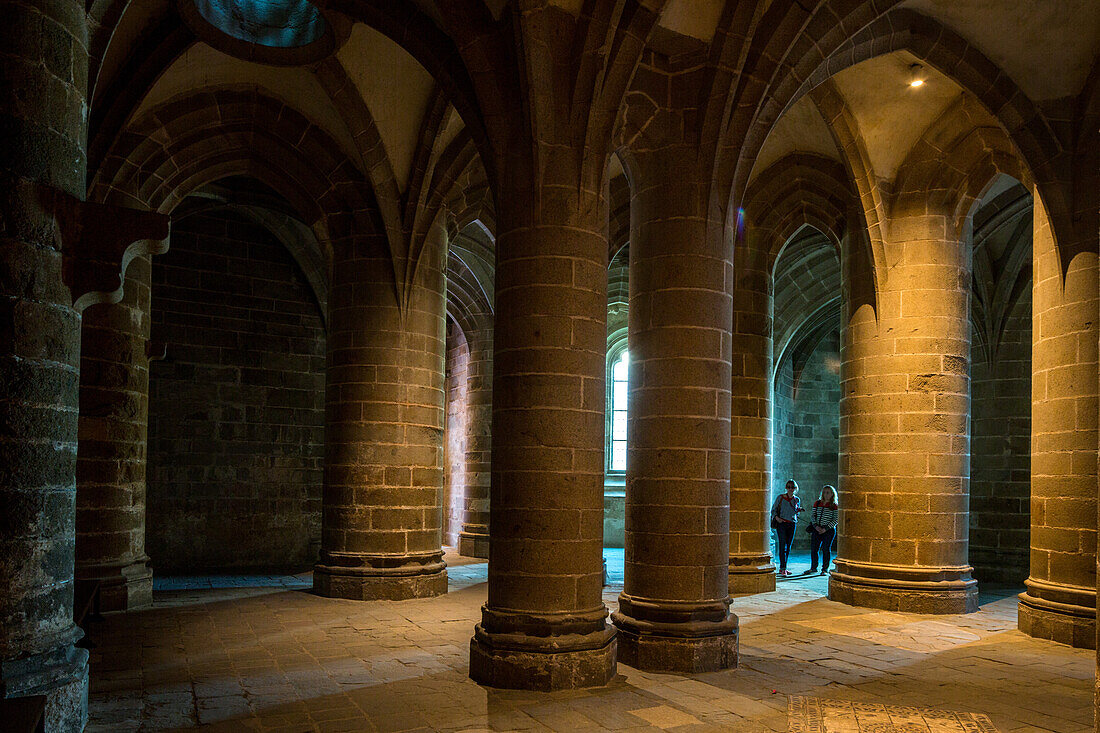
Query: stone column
[473, 540]
[113, 427]
[1060, 602]
[674, 609]
[545, 625]
[750, 562]
[382, 514]
[43, 112]
[904, 428]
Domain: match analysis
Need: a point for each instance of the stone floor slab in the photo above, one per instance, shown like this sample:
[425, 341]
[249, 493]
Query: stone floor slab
[278, 658]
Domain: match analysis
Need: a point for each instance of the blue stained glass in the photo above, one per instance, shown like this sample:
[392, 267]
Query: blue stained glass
[274, 23]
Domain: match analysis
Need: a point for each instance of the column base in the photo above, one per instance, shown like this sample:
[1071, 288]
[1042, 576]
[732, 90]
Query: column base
[124, 588]
[670, 636]
[380, 578]
[1065, 614]
[60, 674]
[471, 544]
[751, 574]
[539, 670]
[543, 652]
[654, 653]
[946, 590]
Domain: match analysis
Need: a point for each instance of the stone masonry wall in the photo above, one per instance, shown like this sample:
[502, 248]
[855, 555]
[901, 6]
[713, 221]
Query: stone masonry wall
[454, 439]
[236, 413]
[807, 427]
[1000, 462]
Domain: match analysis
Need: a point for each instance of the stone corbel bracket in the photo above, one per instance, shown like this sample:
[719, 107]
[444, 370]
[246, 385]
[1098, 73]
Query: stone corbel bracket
[98, 242]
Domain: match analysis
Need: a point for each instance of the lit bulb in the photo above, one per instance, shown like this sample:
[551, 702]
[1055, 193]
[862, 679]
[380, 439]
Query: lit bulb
[916, 75]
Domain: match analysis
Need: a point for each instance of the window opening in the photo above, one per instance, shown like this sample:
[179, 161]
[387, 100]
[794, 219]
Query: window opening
[618, 412]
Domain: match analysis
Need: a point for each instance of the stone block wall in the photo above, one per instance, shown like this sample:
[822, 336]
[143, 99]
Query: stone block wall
[454, 439]
[236, 411]
[1000, 461]
[807, 427]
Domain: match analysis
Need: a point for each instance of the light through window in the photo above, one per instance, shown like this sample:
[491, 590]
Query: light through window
[274, 23]
[618, 412]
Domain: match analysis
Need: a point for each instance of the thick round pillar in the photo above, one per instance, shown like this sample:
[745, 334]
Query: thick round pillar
[904, 429]
[545, 625]
[110, 466]
[473, 540]
[674, 609]
[750, 563]
[42, 109]
[1060, 601]
[382, 514]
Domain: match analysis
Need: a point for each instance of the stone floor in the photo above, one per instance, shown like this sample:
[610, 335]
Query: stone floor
[275, 657]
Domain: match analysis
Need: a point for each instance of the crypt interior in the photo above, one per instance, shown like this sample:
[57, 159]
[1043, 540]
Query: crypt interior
[433, 365]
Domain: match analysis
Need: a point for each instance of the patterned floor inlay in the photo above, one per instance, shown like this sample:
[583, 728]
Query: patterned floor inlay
[814, 715]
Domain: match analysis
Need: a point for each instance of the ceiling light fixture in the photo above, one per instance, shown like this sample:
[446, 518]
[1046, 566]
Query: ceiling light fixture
[916, 75]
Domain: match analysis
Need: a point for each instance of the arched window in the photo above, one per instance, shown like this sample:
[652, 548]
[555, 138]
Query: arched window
[616, 408]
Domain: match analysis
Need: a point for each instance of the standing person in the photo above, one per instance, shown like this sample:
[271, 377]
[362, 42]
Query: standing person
[785, 513]
[824, 518]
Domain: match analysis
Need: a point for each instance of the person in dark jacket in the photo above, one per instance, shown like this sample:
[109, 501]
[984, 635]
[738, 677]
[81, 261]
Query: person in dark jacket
[823, 518]
[785, 511]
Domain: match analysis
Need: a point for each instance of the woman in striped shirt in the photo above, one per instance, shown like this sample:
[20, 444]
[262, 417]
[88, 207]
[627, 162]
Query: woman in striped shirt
[823, 519]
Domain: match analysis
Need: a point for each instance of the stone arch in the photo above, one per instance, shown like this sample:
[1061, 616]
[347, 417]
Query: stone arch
[154, 49]
[471, 203]
[474, 246]
[1043, 154]
[165, 40]
[618, 209]
[869, 207]
[771, 68]
[803, 189]
[200, 138]
[1001, 384]
[467, 302]
[470, 307]
[956, 161]
[1010, 275]
[299, 240]
[798, 190]
[408, 26]
[807, 290]
[619, 277]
